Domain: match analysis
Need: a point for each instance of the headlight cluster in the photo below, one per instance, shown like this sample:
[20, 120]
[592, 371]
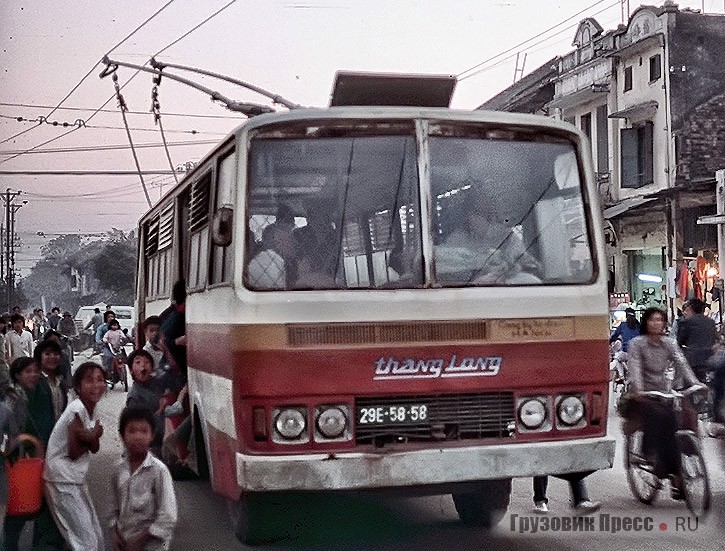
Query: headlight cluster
[291, 424]
[535, 413]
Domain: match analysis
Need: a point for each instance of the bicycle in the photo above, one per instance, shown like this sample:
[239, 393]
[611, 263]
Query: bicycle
[117, 372]
[645, 474]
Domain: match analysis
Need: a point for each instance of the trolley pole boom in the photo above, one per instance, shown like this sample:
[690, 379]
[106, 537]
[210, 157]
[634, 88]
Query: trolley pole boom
[249, 109]
[276, 98]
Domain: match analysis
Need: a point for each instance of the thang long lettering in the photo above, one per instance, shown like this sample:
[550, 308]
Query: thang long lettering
[428, 368]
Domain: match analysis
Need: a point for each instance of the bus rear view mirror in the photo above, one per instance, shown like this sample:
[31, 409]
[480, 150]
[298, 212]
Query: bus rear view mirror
[221, 226]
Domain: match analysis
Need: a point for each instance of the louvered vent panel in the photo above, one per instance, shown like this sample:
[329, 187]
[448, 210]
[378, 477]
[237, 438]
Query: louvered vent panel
[302, 335]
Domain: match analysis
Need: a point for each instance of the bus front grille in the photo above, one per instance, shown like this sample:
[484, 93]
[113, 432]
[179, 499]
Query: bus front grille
[317, 334]
[451, 417]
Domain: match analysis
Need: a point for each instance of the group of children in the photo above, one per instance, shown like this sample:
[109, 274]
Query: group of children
[144, 508]
[144, 505]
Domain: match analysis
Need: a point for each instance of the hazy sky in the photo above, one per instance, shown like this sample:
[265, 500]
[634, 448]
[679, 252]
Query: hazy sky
[290, 47]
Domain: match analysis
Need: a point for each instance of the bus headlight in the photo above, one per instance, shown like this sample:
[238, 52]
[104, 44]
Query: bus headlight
[570, 410]
[532, 413]
[290, 423]
[332, 422]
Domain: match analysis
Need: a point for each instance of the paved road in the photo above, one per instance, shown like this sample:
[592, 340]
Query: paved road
[431, 523]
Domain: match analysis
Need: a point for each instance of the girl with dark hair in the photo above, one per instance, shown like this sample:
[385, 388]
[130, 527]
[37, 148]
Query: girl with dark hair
[48, 356]
[32, 404]
[75, 437]
[650, 356]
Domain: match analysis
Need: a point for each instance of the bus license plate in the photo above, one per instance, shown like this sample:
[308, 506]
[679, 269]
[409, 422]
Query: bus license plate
[383, 415]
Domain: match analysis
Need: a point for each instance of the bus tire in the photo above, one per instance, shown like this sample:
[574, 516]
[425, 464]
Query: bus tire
[486, 506]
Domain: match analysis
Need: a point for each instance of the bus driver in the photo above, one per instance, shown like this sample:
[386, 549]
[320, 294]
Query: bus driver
[484, 250]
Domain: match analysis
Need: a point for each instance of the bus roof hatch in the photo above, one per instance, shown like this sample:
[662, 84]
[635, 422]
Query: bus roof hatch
[392, 89]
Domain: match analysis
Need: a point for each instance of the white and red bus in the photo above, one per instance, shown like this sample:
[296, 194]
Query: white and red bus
[389, 298]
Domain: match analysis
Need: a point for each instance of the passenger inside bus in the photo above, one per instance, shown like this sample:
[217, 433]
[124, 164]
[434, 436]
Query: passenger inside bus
[267, 270]
[484, 249]
[313, 262]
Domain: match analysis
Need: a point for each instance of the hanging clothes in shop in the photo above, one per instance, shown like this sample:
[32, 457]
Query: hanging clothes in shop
[683, 285]
[700, 278]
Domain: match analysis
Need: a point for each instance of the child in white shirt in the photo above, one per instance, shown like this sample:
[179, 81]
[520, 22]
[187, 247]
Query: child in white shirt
[144, 505]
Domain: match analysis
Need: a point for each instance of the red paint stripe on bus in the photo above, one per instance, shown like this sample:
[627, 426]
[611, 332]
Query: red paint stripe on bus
[344, 371]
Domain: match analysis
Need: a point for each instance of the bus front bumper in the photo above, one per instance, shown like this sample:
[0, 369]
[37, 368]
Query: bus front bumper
[360, 471]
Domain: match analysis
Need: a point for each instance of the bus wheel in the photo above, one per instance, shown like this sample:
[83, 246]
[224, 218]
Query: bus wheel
[486, 506]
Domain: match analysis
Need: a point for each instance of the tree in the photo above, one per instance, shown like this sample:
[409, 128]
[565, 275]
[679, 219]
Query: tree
[60, 248]
[50, 278]
[115, 269]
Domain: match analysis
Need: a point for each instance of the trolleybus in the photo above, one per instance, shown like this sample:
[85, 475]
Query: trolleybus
[408, 299]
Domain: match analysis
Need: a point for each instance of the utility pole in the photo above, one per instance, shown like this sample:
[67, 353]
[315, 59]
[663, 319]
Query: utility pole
[10, 209]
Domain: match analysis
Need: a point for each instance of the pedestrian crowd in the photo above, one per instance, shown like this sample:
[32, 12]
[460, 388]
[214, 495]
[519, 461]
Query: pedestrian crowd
[46, 411]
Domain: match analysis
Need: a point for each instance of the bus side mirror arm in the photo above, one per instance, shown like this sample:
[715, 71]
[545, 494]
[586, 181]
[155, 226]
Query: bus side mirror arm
[221, 226]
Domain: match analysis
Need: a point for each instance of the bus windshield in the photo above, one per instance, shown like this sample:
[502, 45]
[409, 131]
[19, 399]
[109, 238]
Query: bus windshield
[332, 207]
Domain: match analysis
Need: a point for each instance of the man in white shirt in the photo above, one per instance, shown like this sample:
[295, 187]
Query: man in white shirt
[268, 270]
[19, 341]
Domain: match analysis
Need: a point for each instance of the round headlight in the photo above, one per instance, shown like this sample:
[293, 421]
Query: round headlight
[332, 422]
[532, 414]
[290, 423]
[570, 410]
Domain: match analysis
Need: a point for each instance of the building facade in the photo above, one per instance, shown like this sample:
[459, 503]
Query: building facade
[651, 97]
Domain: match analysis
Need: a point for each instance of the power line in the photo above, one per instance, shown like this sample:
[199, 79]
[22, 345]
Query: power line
[93, 193]
[80, 123]
[542, 41]
[39, 145]
[19, 134]
[162, 8]
[460, 75]
[132, 76]
[213, 15]
[115, 147]
[189, 115]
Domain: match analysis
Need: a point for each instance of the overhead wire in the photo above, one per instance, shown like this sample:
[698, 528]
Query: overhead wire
[20, 133]
[460, 76]
[186, 115]
[39, 145]
[124, 108]
[224, 7]
[132, 76]
[528, 50]
[113, 147]
[80, 122]
[104, 193]
[129, 35]
[85, 77]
